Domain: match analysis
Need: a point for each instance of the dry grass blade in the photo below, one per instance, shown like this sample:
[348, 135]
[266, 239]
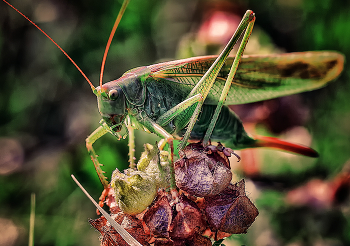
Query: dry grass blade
[31, 220]
[123, 233]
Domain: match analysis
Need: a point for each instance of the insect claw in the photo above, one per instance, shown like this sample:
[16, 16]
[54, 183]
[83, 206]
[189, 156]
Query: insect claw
[228, 152]
[238, 157]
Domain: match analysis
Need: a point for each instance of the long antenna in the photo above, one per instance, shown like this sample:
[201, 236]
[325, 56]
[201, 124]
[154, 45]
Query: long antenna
[87, 79]
[116, 23]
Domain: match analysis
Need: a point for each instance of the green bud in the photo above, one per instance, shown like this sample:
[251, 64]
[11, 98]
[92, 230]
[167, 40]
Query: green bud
[156, 164]
[134, 190]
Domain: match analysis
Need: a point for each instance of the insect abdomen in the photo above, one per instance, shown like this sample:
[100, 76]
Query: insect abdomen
[228, 129]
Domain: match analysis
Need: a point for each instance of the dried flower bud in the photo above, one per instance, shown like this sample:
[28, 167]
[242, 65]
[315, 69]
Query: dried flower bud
[177, 220]
[196, 240]
[188, 220]
[202, 172]
[158, 217]
[231, 211]
[109, 236]
[163, 242]
[199, 240]
[156, 164]
[134, 190]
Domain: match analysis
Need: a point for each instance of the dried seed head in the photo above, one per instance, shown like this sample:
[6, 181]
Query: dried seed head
[202, 172]
[159, 216]
[231, 211]
[109, 236]
[176, 220]
[199, 240]
[196, 240]
[134, 190]
[185, 219]
[188, 220]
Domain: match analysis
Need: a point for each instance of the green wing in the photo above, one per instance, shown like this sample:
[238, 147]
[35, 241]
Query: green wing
[258, 77]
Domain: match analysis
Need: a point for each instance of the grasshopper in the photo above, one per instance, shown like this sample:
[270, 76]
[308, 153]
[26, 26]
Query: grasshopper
[187, 99]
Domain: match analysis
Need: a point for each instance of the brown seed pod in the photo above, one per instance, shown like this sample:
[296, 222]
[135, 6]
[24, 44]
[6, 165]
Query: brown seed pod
[199, 240]
[163, 242]
[196, 240]
[109, 236]
[201, 171]
[188, 220]
[159, 216]
[230, 211]
[177, 220]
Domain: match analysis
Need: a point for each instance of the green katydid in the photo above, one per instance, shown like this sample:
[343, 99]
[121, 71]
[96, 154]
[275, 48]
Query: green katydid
[166, 98]
[186, 99]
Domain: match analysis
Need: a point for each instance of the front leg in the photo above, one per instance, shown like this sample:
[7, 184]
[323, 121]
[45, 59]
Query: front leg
[130, 127]
[90, 140]
[152, 126]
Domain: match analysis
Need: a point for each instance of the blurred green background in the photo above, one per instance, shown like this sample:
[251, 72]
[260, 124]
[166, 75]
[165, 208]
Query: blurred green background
[47, 110]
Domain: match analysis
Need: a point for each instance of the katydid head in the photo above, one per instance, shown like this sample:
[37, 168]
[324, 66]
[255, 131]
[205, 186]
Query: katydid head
[111, 104]
[126, 92]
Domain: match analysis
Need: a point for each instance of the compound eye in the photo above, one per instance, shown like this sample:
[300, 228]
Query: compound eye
[113, 94]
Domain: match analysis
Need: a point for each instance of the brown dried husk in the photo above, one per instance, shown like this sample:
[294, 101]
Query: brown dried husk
[201, 173]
